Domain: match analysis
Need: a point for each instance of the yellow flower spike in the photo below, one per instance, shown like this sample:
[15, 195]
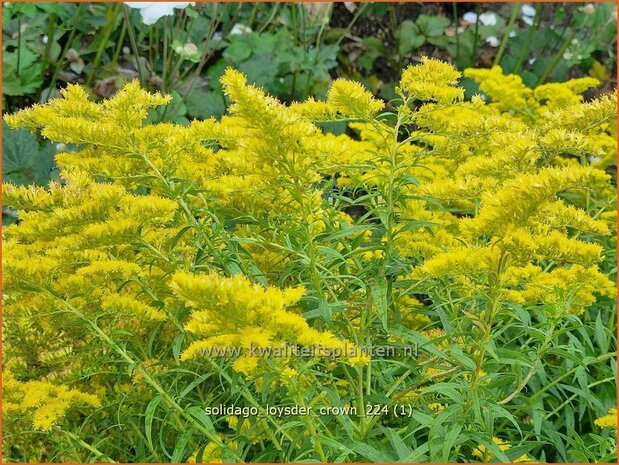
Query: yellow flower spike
[45, 403]
[508, 92]
[246, 365]
[352, 100]
[560, 94]
[288, 375]
[432, 80]
[245, 317]
[526, 194]
[608, 421]
[314, 110]
[128, 107]
[510, 201]
[129, 306]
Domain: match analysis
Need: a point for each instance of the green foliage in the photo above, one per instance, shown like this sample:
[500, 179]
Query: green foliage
[294, 71]
[412, 35]
[24, 159]
[578, 38]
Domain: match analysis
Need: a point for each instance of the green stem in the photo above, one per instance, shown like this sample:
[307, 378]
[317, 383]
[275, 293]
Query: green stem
[312, 430]
[100, 456]
[476, 37]
[455, 20]
[533, 368]
[208, 51]
[527, 45]
[51, 31]
[134, 44]
[361, 8]
[573, 396]
[102, 46]
[188, 214]
[510, 26]
[120, 40]
[560, 378]
[60, 62]
[556, 58]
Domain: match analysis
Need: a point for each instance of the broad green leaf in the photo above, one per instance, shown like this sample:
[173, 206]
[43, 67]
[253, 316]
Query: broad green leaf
[432, 26]
[23, 162]
[409, 37]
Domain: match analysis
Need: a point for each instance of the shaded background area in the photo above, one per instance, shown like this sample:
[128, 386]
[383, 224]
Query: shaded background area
[292, 50]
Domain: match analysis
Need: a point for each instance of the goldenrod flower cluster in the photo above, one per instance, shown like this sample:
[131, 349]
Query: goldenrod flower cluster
[608, 421]
[161, 243]
[43, 403]
[233, 312]
[485, 455]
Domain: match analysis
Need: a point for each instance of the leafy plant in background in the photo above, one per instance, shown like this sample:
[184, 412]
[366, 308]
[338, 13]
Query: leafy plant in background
[544, 42]
[413, 34]
[581, 35]
[184, 52]
[26, 160]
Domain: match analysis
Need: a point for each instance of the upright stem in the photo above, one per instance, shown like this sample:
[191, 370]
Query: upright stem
[100, 456]
[60, 61]
[18, 44]
[134, 44]
[120, 40]
[508, 30]
[487, 327]
[208, 51]
[476, 39]
[50, 33]
[106, 35]
[455, 20]
[533, 368]
[556, 58]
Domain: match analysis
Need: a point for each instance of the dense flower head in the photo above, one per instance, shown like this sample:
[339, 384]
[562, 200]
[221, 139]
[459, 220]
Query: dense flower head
[608, 421]
[353, 101]
[232, 312]
[432, 80]
[44, 403]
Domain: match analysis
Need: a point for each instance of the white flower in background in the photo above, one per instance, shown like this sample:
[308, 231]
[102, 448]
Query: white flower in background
[350, 6]
[487, 19]
[527, 10]
[568, 55]
[528, 20]
[513, 34]
[492, 41]
[240, 29]
[152, 11]
[588, 9]
[528, 13]
[470, 17]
